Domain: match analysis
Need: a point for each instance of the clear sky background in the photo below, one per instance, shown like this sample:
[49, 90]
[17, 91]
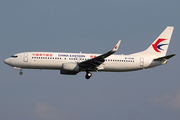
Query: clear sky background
[92, 26]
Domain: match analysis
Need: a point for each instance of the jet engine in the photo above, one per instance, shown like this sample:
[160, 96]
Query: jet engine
[70, 68]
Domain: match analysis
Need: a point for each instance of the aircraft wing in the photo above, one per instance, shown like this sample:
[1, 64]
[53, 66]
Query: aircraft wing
[96, 61]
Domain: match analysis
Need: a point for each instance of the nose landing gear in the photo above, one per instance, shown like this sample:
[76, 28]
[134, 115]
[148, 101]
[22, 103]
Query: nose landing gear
[20, 72]
[19, 69]
[88, 75]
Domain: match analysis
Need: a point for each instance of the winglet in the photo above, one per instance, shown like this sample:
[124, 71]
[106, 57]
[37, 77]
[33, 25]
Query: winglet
[116, 46]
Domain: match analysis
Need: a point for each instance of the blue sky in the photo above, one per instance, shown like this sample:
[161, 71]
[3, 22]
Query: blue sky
[90, 27]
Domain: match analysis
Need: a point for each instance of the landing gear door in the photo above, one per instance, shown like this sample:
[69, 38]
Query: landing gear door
[141, 62]
[25, 57]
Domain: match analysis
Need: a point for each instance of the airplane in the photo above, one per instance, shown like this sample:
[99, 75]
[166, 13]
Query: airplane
[73, 63]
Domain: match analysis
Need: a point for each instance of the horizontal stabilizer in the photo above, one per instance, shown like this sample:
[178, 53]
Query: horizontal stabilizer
[164, 58]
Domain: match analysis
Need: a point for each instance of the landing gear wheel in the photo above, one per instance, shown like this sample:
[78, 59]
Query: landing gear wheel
[20, 73]
[88, 75]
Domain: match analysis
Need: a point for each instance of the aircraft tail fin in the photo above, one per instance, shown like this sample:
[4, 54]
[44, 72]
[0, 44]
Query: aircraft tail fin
[160, 46]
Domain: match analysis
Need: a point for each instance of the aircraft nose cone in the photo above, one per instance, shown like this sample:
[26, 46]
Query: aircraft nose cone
[7, 61]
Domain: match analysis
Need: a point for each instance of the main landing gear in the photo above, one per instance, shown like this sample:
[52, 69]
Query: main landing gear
[88, 75]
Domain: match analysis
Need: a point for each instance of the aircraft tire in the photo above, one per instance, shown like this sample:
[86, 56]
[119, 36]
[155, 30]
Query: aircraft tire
[88, 75]
[20, 73]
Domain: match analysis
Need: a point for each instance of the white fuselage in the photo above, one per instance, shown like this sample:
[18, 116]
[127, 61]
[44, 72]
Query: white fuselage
[52, 60]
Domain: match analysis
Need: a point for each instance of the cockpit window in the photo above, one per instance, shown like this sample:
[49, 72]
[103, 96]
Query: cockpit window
[14, 56]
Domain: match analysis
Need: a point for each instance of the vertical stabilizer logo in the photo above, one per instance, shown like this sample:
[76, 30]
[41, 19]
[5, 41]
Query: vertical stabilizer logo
[157, 46]
[115, 47]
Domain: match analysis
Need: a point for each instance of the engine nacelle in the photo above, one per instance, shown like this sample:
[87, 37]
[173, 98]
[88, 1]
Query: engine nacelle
[70, 68]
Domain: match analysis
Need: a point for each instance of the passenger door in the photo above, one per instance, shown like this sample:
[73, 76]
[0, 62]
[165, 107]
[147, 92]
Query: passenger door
[141, 62]
[25, 57]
